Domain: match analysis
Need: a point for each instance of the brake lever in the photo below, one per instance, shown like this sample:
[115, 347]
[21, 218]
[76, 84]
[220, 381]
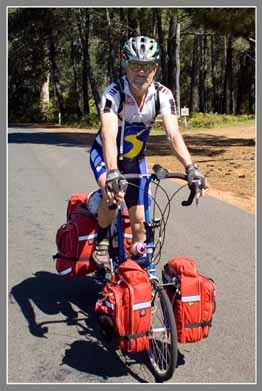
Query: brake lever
[197, 187]
[193, 194]
[190, 198]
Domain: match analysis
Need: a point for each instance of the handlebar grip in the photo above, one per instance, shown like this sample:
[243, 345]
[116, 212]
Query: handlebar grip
[190, 198]
[159, 171]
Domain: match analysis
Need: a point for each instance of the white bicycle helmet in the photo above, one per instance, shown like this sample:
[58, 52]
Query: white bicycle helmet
[140, 48]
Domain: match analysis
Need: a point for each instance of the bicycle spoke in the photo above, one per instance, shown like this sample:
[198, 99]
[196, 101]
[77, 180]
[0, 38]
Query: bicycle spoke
[163, 348]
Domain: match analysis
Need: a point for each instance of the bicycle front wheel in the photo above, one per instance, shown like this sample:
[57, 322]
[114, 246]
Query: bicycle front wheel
[163, 337]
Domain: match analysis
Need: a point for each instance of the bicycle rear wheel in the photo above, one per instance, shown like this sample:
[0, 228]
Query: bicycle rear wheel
[163, 337]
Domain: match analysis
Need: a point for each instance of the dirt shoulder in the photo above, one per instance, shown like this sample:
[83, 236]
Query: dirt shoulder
[227, 158]
[225, 155]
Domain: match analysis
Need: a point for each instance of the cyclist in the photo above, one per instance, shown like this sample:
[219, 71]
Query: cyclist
[128, 110]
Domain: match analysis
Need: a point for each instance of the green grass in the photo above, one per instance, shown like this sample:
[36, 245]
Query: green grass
[206, 121]
[195, 121]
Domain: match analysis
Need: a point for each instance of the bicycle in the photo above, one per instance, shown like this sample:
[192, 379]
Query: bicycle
[163, 351]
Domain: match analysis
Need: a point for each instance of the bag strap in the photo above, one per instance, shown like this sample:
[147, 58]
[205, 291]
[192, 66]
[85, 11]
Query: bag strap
[60, 256]
[134, 336]
[120, 85]
[203, 323]
[157, 99]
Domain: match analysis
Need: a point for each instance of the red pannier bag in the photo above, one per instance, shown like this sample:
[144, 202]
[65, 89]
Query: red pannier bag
[75, 200]
[127, 301]
[194, 302]
[75, 241]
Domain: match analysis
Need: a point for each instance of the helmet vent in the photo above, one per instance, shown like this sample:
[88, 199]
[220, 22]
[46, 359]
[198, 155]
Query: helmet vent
[143, 49]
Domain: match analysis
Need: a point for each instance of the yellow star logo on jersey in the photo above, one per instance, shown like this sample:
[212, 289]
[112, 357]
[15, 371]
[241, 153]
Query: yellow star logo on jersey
[137, 145]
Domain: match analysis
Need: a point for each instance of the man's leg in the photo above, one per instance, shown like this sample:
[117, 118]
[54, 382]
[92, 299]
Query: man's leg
[105, 215]
[105, 218]
[136, 214]
[135, 201]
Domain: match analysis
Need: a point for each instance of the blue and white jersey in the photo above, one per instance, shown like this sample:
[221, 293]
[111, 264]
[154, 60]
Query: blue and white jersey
[137, 123]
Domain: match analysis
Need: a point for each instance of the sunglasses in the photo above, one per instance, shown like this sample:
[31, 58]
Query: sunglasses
[138, 66]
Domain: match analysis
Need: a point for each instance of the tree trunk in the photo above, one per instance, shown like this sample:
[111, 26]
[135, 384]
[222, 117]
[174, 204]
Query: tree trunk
[213, 75]
[112, 72]
[230, 78]
[171, 48]
[86, 109]
[194, 77]
[205, 60]
[227, 101]
[157, 12]
[201, 88]
[154, 24]
[44, 96]
[123, 21]
[75, 57]
[133, 21]
[75, 93]
[83, 24]
[252, 87]
[55, 73]
[178, 68]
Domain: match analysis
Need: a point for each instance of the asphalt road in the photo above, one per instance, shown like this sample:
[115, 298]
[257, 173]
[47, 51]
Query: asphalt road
[45, 345]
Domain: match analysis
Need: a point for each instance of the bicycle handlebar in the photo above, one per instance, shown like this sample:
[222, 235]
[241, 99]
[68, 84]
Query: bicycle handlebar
[160, 173]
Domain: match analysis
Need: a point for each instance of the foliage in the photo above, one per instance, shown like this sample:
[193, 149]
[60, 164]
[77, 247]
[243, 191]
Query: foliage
[78, 50]
[210, 120]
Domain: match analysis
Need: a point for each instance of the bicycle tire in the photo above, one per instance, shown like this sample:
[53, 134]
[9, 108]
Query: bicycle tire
[163, 350]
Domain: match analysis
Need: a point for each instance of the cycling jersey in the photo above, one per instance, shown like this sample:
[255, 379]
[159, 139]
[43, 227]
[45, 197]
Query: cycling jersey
[134, 125]
[137, 123]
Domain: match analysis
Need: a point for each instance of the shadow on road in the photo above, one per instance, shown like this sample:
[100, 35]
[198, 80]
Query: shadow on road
[55, 138]
[201, 144]
[53, 295]
[89, 357]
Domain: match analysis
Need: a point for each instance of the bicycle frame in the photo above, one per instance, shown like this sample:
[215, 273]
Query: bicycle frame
[162, 352]
[149, 243]
[158, 174]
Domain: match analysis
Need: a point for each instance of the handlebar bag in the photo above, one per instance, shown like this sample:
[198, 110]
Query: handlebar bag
[75, 242]
[127, 299]
[193, 299]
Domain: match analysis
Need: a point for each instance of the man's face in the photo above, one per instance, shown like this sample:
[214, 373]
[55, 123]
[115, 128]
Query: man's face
[140, 75]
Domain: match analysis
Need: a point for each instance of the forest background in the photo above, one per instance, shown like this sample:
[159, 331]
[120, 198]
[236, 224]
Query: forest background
[61, 59]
